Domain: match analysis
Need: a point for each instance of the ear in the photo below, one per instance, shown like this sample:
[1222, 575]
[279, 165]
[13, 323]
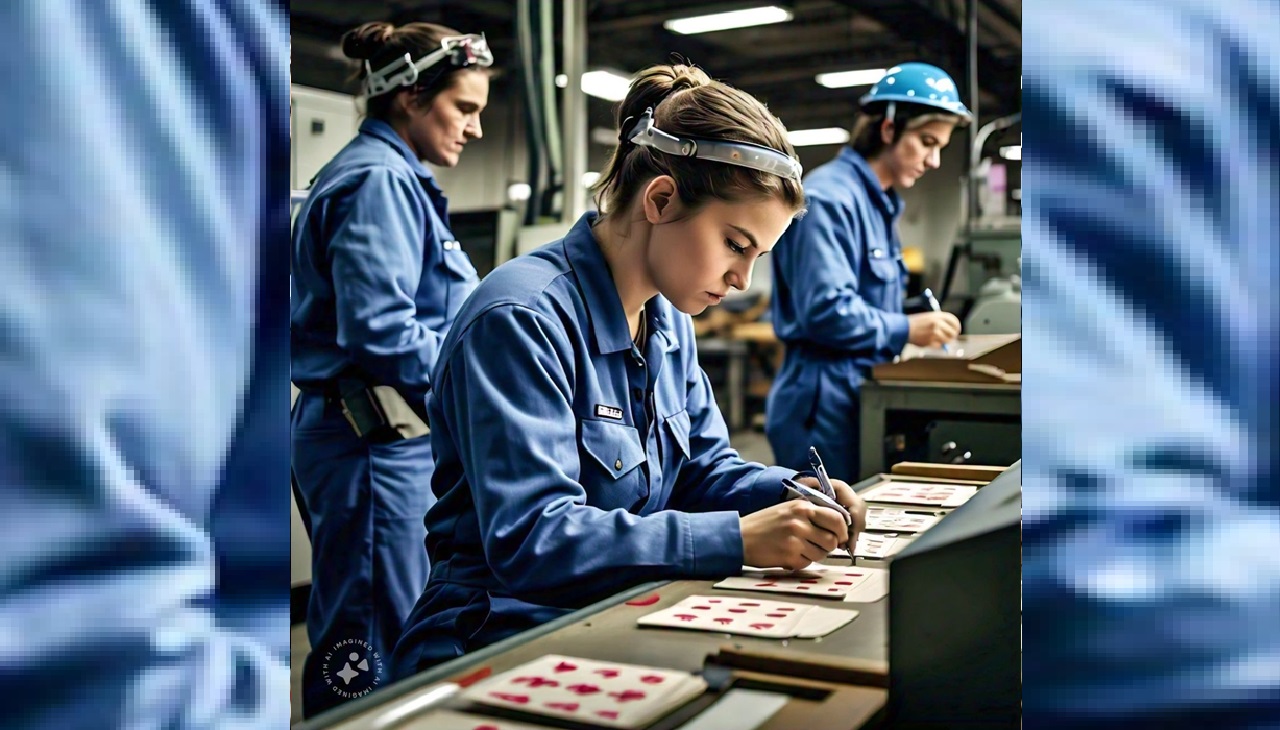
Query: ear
[406, 102]
[660, 200]
[886, 132]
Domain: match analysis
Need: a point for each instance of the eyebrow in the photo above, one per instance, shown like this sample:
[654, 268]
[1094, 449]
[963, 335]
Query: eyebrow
[748, 234]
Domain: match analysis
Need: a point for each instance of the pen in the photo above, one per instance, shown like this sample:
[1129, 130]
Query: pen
[935, 306]
[825, 482]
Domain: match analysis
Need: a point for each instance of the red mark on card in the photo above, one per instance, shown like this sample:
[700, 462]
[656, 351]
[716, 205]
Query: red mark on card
[737, 610]
[651, 679]
[809, 580]
[536, 682]
[565, 667]
[713, 600]
[853, 575]
[566, 706]
[627, 695]
[474, 677]
[776, 615]
[583, 689]
[761, 626]
[608, 714]
[844, 582]
[607, 673]
[723, 620]
[486, 727]
[685, 616]
[787, 608]
[748, 604]
[802, 588]
[648, 600]
[702, 608]
[765, 585]
[509, 697]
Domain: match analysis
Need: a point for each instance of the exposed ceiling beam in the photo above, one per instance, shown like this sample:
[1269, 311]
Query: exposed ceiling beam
[996, 74]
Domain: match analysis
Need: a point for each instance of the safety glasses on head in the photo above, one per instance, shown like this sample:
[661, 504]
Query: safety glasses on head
[743, 154]
[461, 51]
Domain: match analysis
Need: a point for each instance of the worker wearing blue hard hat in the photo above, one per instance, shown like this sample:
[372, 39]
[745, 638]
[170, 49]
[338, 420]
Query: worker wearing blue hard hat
[839, 279]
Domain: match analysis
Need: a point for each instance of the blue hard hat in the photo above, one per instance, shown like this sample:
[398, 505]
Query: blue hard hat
[919, 83]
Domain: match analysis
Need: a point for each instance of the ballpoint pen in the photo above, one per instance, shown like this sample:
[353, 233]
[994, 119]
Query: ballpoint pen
[825, 482]
[935, 306]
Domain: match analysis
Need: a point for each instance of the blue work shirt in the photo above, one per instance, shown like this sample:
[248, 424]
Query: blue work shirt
[569, 464]
[839, 279]
[377, 275]
[143, 366]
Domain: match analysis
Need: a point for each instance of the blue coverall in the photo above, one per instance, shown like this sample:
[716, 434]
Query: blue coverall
[570, 463]
[839, 283]
[143, 365]
[377, 280]
[1151, 502]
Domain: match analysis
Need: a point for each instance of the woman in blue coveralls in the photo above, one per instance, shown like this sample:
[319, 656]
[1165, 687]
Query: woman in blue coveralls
[839, 279]
[377, 280]
[579, 448]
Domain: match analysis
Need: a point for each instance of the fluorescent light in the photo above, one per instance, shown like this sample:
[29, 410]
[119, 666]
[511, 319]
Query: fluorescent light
[810, 137]
[1012, 152]
[843, 79]
[605, 85]
[589, 179]
[519, 191]
[562, 80]
[726, 21]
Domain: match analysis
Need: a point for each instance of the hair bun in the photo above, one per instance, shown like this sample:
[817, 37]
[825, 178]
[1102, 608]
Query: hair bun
[687, 77]
[365, 41]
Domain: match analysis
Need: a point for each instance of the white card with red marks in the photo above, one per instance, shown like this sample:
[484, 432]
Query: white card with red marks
[878, 547]
[933, 495]
[875, 587]
[749, 617]
[894, 519]
[450, 720]
[610, 694]
[818, 580]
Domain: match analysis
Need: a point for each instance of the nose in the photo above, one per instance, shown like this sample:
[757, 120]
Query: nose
[740, 278]
[934, 159]
[473, 129]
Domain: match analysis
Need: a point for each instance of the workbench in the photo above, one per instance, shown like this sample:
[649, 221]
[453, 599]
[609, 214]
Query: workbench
[840, 680]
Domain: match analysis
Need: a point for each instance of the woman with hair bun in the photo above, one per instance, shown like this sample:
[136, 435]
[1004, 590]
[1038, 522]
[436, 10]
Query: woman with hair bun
[579, 449]
[377, 279]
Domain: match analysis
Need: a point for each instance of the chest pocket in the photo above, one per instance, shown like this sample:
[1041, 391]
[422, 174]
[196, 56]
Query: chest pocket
[676, 444]
[456, 261]
[611, 456]
[885, 287]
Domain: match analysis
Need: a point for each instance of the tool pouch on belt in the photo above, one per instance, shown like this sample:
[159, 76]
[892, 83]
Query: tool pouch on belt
[380, 412]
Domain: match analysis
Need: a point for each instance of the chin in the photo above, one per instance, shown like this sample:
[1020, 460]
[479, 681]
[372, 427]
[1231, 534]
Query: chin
[444, 159]
[692, 310]
[907, 182]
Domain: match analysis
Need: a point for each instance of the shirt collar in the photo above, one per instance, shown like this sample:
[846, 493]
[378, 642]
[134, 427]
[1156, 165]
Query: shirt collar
[379, 129]
[889, 202]
[608, 322]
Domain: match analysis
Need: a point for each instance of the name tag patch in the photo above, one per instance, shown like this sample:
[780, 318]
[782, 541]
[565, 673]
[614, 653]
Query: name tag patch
[609, 412]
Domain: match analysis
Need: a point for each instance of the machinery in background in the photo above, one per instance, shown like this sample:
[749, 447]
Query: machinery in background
[993, 258]
[487, 236]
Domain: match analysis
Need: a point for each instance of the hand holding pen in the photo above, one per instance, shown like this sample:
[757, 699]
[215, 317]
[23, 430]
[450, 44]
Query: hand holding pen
[935, 306]
[851, 505]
